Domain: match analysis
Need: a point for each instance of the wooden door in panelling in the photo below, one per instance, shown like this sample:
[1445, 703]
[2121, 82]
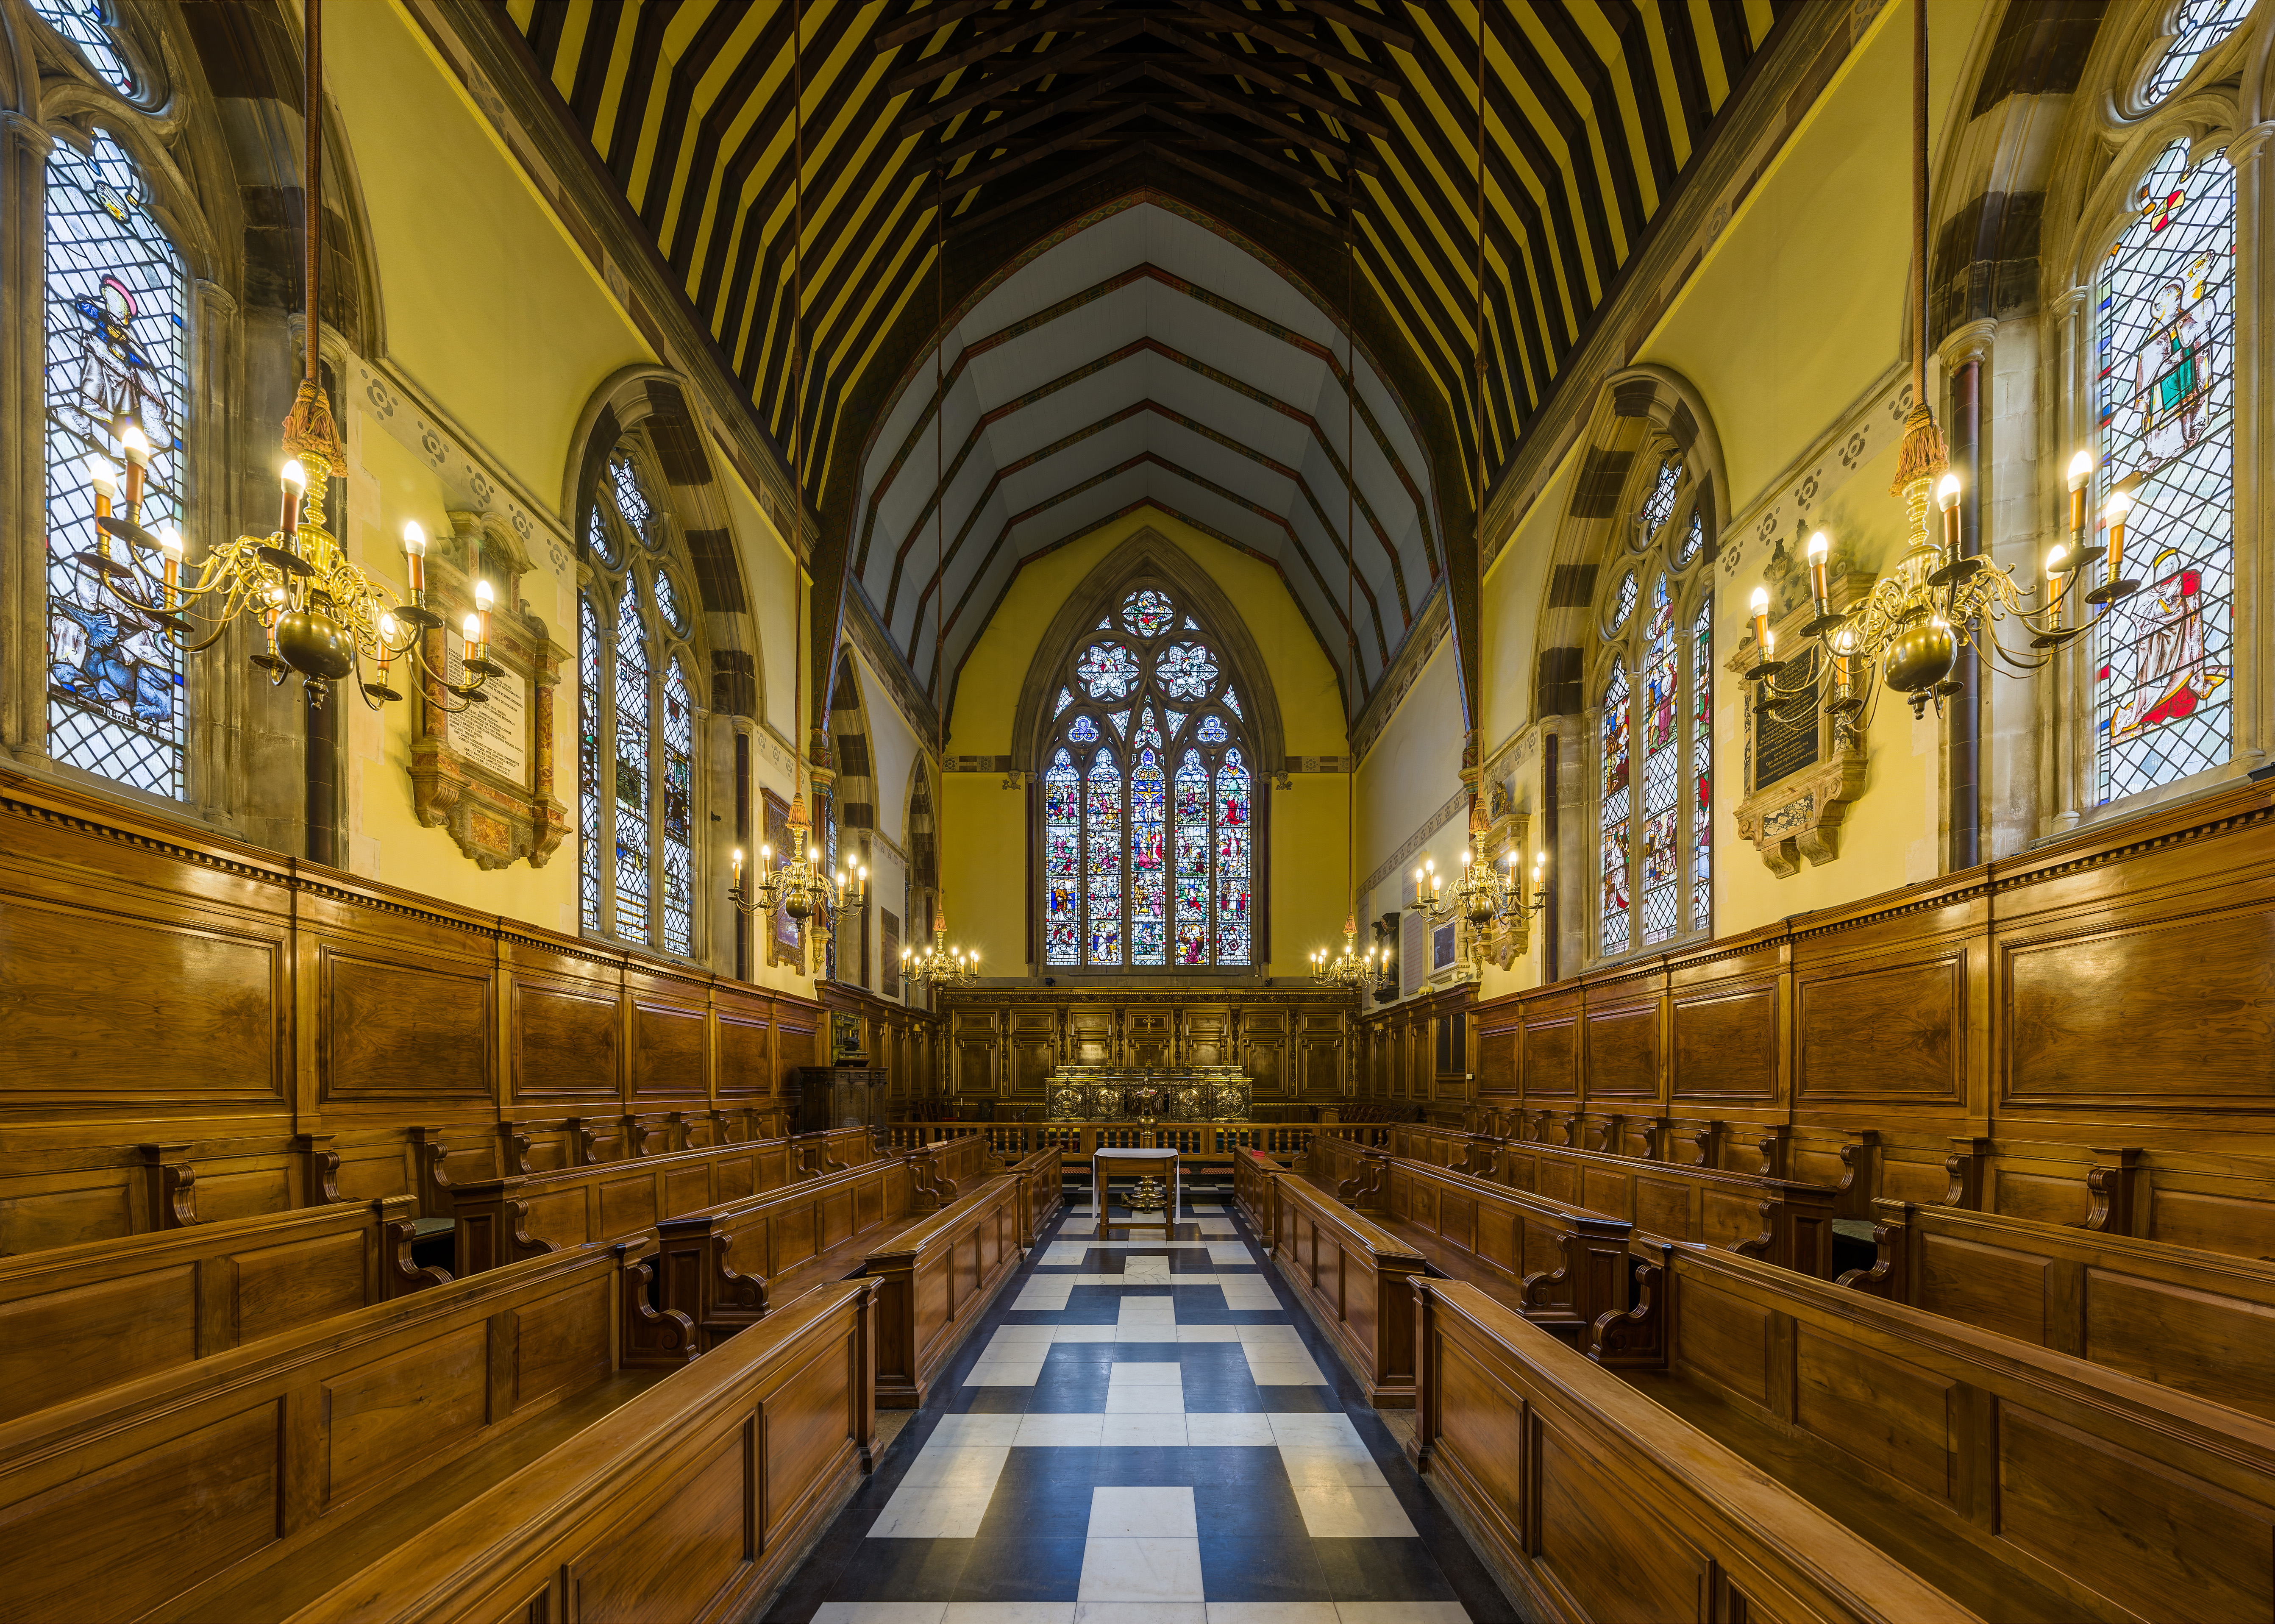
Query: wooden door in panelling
[1034, 1047]
[1148, 1037]
[1263, 1049]
[1207, 1035]
[1321, 1052]
[972, 1051]
[1091, 1038]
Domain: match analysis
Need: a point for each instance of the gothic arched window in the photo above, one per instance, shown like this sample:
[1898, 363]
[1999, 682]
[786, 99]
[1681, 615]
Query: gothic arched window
[2195, 26]
[92, 27]
[635, 719]
[2163, 659]
[1149, 803]
[1654, 734]
[115, 328]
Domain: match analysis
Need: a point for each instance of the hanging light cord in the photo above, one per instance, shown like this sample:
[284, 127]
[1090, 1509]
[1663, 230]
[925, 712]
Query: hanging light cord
[312, 187]
[798, 395]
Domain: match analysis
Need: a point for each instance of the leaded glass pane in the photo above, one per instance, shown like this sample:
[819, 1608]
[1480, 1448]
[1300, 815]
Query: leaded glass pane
[1694, 537]
[667, 601]
[1211, 730]
[1232, 704]
[2198, 26]
[678, 813]
[1234, 811]
[1662, 909]
[1149, 925]
[1613, 802]
[599, 537]
[1084, 731]
[1062, 862]
[589, 835]
[1148, 614]
[1121, 721]
[1659, 507]
[1187, 671]
[1149, 731]
[1626, 605]
[1176, 721]
[631, 496]
[114, 333]
[1066, 697]
[2165, 350]
[87, 24]
[633, 795]
[1108, 671]
[1193, 859]
[1102, 860]
[1702, 767]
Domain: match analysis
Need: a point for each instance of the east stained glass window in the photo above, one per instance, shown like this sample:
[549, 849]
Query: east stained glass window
[115, 339]
[636, 733]
[2164, 338]
[2198, 26]
[1655, 743]
[1147, 849]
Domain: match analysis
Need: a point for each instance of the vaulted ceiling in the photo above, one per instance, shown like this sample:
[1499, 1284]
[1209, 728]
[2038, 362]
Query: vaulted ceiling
[1147, 231]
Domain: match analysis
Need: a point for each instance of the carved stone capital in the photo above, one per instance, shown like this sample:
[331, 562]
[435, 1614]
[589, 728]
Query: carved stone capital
[1963, 344]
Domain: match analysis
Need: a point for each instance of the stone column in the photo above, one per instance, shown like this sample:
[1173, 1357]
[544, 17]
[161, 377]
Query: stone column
[24, 149]
[2255, 441]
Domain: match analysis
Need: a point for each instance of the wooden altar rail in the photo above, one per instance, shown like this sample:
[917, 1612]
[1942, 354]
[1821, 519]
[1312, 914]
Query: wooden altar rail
[2196, 1321]
[1077, 1140]
[2021, 1014]
[77, 1318]
[215, 1490]
[1354, 1278]
[2023, 1483]
[1592, 1503]
[503, 1219]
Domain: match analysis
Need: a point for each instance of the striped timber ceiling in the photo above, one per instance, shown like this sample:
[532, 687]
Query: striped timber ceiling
[1158, 224]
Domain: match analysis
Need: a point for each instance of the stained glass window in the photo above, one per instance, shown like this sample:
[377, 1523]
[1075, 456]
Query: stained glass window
[115, 332]
[1659, 507]
[1654, 804]
[631, 496]
[1147, 856]
[636, 734]
[678, 813]
[1662, 768]
[89, 25]
[2165, 344]
[1702, 766]
[1232, 703]
[588, 763]
[1617, 793]
[2198, 26]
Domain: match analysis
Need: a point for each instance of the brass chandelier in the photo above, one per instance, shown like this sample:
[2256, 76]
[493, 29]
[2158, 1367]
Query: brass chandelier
[795, 881]
[324, 617]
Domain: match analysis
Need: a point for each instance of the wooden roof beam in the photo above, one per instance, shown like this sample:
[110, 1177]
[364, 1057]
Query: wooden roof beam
[1046, 107]
[1029, 68]
[1248, 67]
[960, 186]
[1258, 25]
[1295, 134]
[1051, 19]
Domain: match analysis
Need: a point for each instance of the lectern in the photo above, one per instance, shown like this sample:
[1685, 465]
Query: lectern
[1162, 1165]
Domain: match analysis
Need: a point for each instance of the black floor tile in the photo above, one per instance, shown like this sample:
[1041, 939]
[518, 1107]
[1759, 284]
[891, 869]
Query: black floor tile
[1381, 1570]
[1300, 1400]
[902, 1570]
[989, 1400]
[1261, 1505]
[1262, 1569]
[1022, 1567]
[1143, 1468]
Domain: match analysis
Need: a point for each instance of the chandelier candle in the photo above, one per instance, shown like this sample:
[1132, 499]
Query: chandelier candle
[295, 482]
[136, 445]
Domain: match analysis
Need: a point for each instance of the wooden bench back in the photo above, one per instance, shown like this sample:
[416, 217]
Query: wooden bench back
[691, 1502]
[713, 1265]
[1252, 1172]
[187, 1480]
[1558, 1263]
[2203, 1322]
[501, 1220]
[936, 1280]
[2112, 1491]
[1042, 1191]
[1354, 1275]
[76, 1319]
[1610, 1507]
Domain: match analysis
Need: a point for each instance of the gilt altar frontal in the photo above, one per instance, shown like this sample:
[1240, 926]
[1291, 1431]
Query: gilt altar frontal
[1168, 1095]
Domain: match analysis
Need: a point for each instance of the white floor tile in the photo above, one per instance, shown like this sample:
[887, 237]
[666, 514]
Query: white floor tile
[1142, 1570]
[1143, 1432]
[1402, 1613]
[1352, 1511]
[1004, 1374]
[1144, 1331]
[1208, 1333]
[977, 1465]
[880, 1613]
[1010, 1613]
[1216, 1226]
[1286, 1335]
[1232, 1253]
[1331, 1428]
[1252, 1292]
[966, 1430]
[1145, 1268]
[1267, 1372]
[1055, 1432]
[1139, 1373]
[1037, 1337]
[1081, 1333]
[1229, 1429]
[1148, 1311]
[1143, 1513]
[1198, 1206]
[1146, 1402]
[1266, 1613]
[1311, 1465]
[1043, 1295]
[931, 1511]
[1140, 1613]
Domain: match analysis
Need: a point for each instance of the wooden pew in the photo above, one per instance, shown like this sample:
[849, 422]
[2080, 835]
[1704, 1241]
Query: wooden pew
[935, 1280]
[1042, 1191]
[501, 1220]
[1353, 1275]
[1592, 1503]
[212, 1490]
[1253, 1189]
[2024, 1483]
[2195, 1320]
[691, 1502]
[77, 1318]
[943, 1168]
[725, 1266]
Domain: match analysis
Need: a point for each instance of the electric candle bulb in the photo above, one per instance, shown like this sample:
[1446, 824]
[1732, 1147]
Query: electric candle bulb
[414, 556]
[294, 480]
[2119, 504]
[483, 598]
[1947, 493]
[1820, 549]
[766, 853]
[2057, 556]
[104, 478]
[1761, 607]
[738, 865]
[136, 445]
[2081, 469]
[1769, 644]
[388, 629]
[169, 543]
[1946, 496]
[471, 629]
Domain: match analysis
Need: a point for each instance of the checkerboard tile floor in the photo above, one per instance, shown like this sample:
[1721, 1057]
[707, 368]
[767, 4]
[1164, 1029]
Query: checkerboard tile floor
[1144, 1432]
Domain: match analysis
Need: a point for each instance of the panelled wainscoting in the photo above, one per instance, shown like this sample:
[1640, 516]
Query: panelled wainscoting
[2076, 1036]
[199, 1029]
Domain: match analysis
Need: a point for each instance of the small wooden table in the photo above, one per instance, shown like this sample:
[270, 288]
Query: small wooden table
[1159, 1164]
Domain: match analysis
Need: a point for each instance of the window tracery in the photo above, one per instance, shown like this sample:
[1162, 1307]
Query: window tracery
[1148, 808]
[2196, 26]
[2163, 659]
[92, 28]
[636, 723]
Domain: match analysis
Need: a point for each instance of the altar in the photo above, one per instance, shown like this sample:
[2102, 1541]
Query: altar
[1161, 1164]
[1167, 1094]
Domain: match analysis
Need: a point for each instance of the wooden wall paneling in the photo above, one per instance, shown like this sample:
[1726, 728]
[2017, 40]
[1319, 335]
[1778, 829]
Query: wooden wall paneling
[1319, 1052]
[1624, 1040]
[1499, 1032]
[1552, 1044]
[801, 1038]
[747, 1068]
[1881, 1014]
[1035, 1043]
[1206, 1035]
[1149, 1036]
[1727, 1031]
[562, 1028]
[669, 1019]
[1093, 1033]
[1264, 1043]
[974, 1037]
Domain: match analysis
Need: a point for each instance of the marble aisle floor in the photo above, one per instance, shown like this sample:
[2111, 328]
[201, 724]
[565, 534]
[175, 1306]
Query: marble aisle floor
[1144, 1431]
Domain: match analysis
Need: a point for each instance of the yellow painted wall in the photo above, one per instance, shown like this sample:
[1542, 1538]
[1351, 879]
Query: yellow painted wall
[984, 845]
